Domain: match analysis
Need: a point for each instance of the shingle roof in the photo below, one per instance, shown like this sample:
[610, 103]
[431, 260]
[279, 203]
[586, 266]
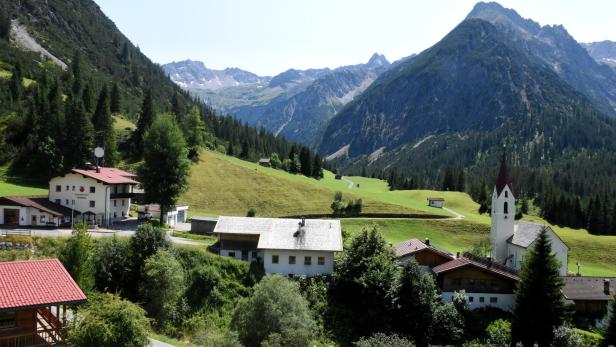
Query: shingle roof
[480, 263]
[108, 175]
[588, 288]
[40, 202]
[35, 283]
[412, 246]
[281, 233]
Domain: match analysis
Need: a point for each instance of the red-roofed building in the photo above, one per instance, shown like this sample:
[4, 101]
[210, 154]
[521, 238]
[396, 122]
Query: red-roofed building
[486, 283]
[34, 296]
[99, 195]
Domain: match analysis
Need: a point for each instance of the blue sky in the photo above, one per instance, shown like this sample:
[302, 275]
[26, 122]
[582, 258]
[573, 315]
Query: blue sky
[270, 36]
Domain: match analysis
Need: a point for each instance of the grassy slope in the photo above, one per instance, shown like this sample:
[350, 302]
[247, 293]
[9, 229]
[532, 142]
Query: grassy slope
[18, 187]
[220, 185]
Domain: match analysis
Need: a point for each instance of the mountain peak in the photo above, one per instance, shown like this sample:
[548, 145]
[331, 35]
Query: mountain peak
[378, 60]
[496, 14]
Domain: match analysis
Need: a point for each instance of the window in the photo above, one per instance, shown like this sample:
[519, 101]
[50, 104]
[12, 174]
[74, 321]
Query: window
[73, 188]
[67, 201]
[232, 254]
[7, 319]
[254, 253]
[92, 203]
[505, 207]
[493, 299]
[291, 259]
[482, 299]
[506, 194]
[482, 283]
[92, 189]
[122, 202]
[58, 188]
[42, 218]
[471, 282]
[115, 214]
[67, 188]
[307, 260]
[471, 299]
[321, 260]
[59, 201]
[115, 189]
[115, 203]
[72, 202]
[274, 259]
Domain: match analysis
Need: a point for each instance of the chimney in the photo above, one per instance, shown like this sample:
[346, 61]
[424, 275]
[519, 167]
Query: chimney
[427, 241]
[606, 286]
[98, 169]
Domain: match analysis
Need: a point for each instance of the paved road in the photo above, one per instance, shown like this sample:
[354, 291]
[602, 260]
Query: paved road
[351, 183]
[156, 343]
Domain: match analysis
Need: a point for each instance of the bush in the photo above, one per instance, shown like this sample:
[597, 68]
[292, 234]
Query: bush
[499, 333]
[275, 312]
[111, 265]
[109, 321]
[75, 255]
[205, 287]
[565, 336]
[162, 286]
[383, 340]
[251, 212]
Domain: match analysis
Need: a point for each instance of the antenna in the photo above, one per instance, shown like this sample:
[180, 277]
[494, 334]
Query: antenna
[99, 152]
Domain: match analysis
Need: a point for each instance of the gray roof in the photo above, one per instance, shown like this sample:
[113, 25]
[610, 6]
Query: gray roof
[525, 233]
[589, 288]
[207, 219]
[280, 233]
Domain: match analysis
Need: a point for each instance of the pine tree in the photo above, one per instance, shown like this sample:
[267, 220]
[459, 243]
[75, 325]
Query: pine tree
[194, 132]
[5, 25]
[87, 98]
[143, 124]
[76, 73]
[539, 306]
[461, 185]
[115, 104]
[80, 134]
[15, 84]
[609, 334]
[104, 135]
[317, 168]
[305, 162]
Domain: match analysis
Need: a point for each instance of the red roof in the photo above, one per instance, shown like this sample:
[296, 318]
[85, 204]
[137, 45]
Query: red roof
[480, 263]
[108, 175]
[40, 202]
[34, 283]
[503, 177]
[413, 246]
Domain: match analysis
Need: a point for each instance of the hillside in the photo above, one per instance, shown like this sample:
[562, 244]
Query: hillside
[603, 52]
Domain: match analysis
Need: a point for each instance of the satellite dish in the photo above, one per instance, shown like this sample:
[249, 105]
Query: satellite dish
[99, 152]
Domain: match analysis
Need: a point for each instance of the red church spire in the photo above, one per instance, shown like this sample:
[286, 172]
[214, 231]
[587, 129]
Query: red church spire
[503, 177]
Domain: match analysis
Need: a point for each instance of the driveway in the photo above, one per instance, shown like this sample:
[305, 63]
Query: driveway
[156, 343]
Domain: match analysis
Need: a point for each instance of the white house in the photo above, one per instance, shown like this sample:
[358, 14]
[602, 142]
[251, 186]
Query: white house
[285, 246]
[176, 214]
[436, 202]
[511, 241]
[32, 211]
[100, 195]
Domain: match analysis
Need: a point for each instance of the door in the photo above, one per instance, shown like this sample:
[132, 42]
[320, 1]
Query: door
[11, 217]
[181, 216]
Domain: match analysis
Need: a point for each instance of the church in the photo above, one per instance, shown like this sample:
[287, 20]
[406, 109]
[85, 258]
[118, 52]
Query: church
[511, 241]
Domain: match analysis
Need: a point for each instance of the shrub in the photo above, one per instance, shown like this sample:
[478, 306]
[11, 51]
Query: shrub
[111, 265]
[383, 340]
[565, 336]
[499, 333]
[251, 212]
[276, 312]
[109, 321]
[162, 285]
[75, 255]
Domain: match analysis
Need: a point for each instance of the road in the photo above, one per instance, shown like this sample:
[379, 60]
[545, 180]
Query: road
[458, 215]
[351, 183]
[156, 343]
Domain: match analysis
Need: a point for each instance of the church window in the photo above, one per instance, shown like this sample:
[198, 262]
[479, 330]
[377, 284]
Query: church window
[505, 207]
[506, 194]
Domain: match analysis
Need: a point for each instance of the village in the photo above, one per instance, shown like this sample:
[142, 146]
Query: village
[38, 294]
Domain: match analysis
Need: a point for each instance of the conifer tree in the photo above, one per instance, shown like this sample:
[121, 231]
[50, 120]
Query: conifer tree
[305, 162]
[609, 334]
[194, 132]
[87, 97]
[317, 167]
[539, 306]
[143, 124]
[104, 135]
[79, 132]
[76, 73]
[15, 84]
[115, 104]
[5, 25]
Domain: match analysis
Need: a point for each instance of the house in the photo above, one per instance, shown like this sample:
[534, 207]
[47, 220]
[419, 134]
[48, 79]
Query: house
[34, 298]
[426, 255]
[284, 246]
[436, 202]
[34, 210]
[511, 241]
[265, 162]
[485, 282]
[589, 295]
[202, 225]
[338, 177]
[176, 214]
[100, 195]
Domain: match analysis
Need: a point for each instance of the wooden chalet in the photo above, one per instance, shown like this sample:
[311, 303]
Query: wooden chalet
[34, 297]
[423, 253]
[589, 295]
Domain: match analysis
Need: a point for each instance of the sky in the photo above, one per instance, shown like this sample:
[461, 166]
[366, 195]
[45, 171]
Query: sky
[270, 36]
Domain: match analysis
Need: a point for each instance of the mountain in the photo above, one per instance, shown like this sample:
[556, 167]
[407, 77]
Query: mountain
[603, 52]
[59, 58]
[296, 104]
[556, 49]
[190, 74]
[458, 103]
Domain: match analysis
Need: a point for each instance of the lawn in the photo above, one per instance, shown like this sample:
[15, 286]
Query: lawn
[220, 185]
[121, 124]
[15, 186]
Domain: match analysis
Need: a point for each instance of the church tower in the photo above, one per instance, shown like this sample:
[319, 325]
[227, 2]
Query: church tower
[503, 214]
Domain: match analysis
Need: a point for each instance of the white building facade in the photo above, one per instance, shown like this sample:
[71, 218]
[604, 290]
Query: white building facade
[283, 246]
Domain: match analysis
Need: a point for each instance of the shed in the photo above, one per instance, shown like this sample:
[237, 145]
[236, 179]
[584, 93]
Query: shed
[265, 162]
[436, 202]
[203, 225]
